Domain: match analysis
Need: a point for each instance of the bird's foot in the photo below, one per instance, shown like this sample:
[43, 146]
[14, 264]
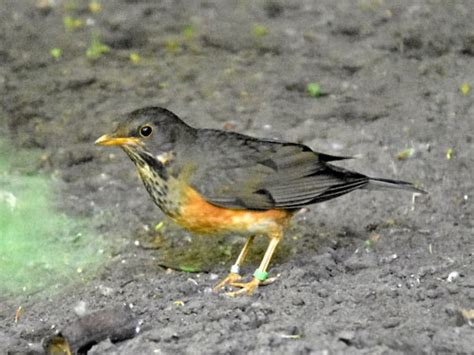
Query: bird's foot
[230, 280]
[246, 288]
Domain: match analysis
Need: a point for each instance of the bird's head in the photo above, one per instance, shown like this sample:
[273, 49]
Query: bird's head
[151, 129]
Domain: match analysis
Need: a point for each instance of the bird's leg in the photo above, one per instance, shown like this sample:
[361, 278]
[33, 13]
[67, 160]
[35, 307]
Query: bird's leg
[260, 275]
[234, 274]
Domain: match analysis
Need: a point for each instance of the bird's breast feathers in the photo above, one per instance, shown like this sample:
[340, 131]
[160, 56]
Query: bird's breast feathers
[198, 215]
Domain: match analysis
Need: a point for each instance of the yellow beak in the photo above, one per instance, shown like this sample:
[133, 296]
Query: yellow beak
[111, 140]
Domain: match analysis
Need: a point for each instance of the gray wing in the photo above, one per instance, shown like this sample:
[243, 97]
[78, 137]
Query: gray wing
[245, 173]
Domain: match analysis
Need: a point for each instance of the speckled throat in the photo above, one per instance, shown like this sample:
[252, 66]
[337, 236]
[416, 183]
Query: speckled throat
[156, 179]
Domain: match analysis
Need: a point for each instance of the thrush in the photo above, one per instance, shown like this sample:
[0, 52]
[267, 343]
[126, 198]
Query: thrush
[211, 181]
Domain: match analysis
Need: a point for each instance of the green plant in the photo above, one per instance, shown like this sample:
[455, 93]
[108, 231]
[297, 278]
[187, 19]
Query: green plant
[96, 48]
[259, 30]
[71, 23]
[55, 53]
[313, 89]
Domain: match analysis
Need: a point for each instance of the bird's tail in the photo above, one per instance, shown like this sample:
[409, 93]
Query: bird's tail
[383, 184]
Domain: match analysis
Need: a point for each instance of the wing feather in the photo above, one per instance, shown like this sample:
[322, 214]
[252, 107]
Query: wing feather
[247, 173]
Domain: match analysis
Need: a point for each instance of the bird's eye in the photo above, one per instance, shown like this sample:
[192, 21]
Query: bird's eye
[145, 131]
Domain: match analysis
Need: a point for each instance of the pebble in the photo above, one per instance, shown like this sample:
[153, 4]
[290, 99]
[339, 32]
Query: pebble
[298, 301]
[452, 289]
[80, 308]
[347, 336]
[453, 276]
[106, 291]
[391, 323]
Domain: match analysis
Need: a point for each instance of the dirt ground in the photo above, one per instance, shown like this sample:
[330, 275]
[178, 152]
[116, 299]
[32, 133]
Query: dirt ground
[368, 273]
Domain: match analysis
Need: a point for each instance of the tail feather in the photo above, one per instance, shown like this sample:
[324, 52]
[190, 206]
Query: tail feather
[382, 184]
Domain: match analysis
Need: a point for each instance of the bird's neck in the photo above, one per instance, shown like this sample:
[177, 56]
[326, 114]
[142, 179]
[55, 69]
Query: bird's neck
[156, 179]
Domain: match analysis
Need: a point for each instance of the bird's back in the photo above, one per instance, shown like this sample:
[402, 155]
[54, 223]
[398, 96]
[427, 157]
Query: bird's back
[240, 172]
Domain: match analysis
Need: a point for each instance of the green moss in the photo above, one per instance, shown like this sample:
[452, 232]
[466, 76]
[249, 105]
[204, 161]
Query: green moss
[259, 30]
[405, 154]
[55, 53]
[70, 23]
[188, 32]
[40, 249]
[313, 89]
[96, 48]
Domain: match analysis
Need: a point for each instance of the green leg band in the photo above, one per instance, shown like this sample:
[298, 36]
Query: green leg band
[260, 275]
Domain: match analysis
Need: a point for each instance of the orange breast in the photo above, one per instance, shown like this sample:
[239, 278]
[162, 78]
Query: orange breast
[198, 215]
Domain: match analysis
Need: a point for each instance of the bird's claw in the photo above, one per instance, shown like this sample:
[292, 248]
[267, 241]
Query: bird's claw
[246, 288]
[230, 280]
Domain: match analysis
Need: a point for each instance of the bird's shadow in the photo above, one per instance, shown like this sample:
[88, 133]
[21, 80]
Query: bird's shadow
[177, 249]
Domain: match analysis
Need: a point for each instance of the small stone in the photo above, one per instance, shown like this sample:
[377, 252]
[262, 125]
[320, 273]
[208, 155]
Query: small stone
[391, 323]
[80, 308]
[338, 298]
[323, 293]
[453, 276]
[346, 336]
[106, 291]
[298, 301]
[452, 289]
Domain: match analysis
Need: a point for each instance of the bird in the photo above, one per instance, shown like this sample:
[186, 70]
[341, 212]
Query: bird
[211, 181]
